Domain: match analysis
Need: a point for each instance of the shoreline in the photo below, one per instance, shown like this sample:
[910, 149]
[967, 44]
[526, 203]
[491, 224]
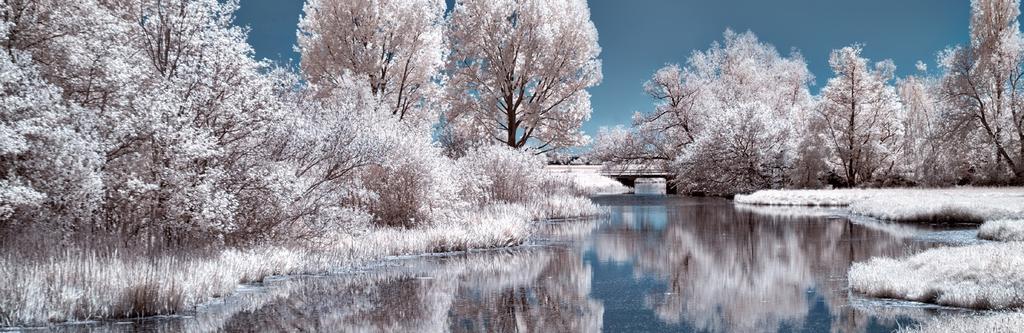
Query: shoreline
[248, 267]
[268, 282]
[981, 276]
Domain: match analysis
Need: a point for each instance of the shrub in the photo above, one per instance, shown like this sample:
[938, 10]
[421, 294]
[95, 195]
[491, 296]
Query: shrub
[508, 175]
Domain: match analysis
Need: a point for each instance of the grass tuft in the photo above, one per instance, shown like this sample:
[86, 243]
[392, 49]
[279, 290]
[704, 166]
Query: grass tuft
[984, 276]
[1009, 230]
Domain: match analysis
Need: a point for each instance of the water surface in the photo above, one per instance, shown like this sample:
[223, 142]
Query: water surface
[656, 263]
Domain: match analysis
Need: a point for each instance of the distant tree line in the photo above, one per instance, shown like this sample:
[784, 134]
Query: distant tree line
[739, 116]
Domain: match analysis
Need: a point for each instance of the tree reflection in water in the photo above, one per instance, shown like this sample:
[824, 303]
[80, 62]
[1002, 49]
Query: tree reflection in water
[716, 267]
[534, 289]
[743, 269]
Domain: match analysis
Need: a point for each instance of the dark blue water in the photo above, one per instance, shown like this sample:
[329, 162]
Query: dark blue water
[655, 263]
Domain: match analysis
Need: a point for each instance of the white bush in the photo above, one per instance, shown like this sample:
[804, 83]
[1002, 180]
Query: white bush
[508, 175]
[413, 183]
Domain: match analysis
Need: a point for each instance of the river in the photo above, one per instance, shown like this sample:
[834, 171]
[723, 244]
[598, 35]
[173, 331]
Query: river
[655, 263]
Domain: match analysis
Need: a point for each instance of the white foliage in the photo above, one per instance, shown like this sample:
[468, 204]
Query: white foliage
[862, 117]
[507, 175]
[520, 70]
[981, 82]
[729, 121]
[48, 161]
[921, 66]
[143, 126]
[394, 46]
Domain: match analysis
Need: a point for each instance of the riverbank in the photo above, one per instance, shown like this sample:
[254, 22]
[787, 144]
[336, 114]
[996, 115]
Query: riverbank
[949, 205]
[986, 276]
[88, 285]
[995, 322]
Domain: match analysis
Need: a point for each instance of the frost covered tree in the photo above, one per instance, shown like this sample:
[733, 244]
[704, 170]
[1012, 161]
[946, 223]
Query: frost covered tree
[49, 159]
[374, 68]
[172, 96]
[724, 122]
[753, 97]
[519, 73]
[861, 114]
[932, 152]
[396, 46]
[982, 82]
[658, 137]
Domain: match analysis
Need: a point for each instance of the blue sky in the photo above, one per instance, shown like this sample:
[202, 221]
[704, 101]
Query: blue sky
[639, 36]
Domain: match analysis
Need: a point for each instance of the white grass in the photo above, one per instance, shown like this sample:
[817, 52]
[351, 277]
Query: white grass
[944, 205]
[843, 197]
[992, 323]
[967, 204]
[981, 276]
[1002, 230]
[82, 285]
[562, 206]
[985, 276]
[588, 180]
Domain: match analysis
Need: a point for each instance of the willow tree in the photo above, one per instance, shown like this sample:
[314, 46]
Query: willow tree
[519, 72]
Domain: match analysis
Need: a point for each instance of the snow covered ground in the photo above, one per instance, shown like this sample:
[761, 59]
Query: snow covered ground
[966, 204]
